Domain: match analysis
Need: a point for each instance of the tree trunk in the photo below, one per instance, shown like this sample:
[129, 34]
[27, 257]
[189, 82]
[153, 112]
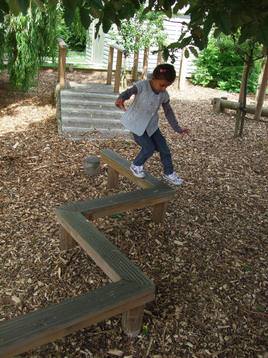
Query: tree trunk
[240, 113]
[159, 57]
[262, 91]
[135, 63]
[145, 63]
[180, 75]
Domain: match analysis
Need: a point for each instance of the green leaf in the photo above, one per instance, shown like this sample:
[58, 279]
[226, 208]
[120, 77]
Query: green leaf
[223, 22]
[168, 12]
[193, 50]
[17, 6]
[178, 6]
[69, 10]
[262, 33]
[186, 53]
[4, 7]
[165, 54]
[106, 24]
[40, 4]
[85, 17]
[184, 42]
[208, 25]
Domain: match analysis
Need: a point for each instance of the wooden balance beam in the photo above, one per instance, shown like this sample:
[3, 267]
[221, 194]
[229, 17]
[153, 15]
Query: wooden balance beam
[130, 289]
[118, 165]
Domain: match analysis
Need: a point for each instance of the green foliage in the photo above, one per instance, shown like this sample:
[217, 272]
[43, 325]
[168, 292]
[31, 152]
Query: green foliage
[221, 64]
[141, 31]
[28, 39]
[249, 17]
[75, 35]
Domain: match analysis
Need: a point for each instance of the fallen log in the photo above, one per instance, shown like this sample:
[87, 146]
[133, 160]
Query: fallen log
[220, 104]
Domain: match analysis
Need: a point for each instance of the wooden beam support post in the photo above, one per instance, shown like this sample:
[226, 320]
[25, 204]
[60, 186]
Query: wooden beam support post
[113, 177]
[217, 107]
[110, 66]
[66, 240]
[159, 211]
[132, 321]
[62, 62]
[118, 71]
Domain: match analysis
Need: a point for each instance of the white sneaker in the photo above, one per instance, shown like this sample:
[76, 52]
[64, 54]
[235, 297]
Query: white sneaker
[137, 170]
[173, 179]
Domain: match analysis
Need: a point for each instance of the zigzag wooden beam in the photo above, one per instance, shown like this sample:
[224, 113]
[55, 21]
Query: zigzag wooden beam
[130, 289]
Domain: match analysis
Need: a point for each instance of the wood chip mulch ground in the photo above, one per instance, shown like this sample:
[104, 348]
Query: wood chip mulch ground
[208, 258]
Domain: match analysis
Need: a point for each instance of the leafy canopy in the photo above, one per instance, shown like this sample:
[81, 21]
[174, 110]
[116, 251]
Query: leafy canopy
[250, 17]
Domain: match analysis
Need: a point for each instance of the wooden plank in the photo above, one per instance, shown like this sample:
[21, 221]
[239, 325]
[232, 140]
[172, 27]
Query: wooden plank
[62, 65]
[117, 79]
[132, 321]
[121, 165]
[120, 202]
[113, 177]
[106, 255]
[45, 325]
[159, 212]
[110, 66]
[235, 105]
[66, 240]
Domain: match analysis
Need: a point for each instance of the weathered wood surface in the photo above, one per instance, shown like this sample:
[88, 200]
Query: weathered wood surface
[110, 66]
[130, 289]
[117, 79]
[121, 202]
[220, 104]
[114, 263]
[113, 177]
[132, 321]
[66, 240]
[45, 325]
[121, 165]
[62, 62]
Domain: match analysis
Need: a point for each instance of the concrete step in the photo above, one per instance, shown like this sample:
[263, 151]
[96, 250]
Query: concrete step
[89, 123]
[87, 103]
[86, 113]
[81, 95]
[91, 87]
[84, 133]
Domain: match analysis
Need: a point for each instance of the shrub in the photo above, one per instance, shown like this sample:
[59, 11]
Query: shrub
[221, 64]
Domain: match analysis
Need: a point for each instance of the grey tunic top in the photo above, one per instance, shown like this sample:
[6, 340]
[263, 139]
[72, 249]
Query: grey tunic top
[143, 113]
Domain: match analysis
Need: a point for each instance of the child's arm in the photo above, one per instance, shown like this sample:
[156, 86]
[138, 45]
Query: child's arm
[169, 113]
[124, 96]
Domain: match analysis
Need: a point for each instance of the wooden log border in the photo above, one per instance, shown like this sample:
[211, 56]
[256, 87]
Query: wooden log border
[220, 104]
[130, 289]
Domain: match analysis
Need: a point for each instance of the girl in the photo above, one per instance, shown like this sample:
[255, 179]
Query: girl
[142, 120]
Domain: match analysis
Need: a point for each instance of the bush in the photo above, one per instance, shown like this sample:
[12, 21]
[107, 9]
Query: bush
[74, 35]
[220, 66]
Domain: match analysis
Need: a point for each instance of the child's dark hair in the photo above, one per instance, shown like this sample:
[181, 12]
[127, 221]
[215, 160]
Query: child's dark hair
[164, 71]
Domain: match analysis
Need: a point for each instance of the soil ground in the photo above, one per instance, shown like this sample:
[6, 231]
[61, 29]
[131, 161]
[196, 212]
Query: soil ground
[208, 258]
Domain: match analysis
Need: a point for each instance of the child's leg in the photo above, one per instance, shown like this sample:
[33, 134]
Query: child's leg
[163, 149]
[147, 148]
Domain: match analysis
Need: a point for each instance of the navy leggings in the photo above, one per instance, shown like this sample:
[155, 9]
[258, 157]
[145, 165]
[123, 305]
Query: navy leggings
[151, 144]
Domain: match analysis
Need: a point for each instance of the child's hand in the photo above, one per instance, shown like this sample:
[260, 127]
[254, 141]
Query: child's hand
[120, 104]
[185, 131]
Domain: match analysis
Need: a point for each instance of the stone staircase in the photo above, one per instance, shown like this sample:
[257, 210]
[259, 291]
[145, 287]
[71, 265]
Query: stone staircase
[84, 109]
